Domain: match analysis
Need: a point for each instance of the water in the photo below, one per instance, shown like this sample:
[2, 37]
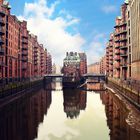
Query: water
[67, 115]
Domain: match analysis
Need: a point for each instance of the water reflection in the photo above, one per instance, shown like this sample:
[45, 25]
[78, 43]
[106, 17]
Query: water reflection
[74, 101]
[73, 115]
[95, 86]
[19, 120]
[117, 113]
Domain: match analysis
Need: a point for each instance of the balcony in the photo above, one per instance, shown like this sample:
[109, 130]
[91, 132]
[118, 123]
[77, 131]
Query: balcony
[111, 62]
[117, 34]
[24, 37]
[35, 58]
[35, 47]
[2, 13]
[110, 44]
[35, 50]
[123, 24]
[117, 39]
[123, 39]
[117, 58]
[123, 47]
[35, 55]
[24, 53]
[2, 23]
[123, 53]
[117, 65]
[111, 49]
[1, 51]
[2, 63]
[1, 42]
[107, 62]
[123, 64]
[123, 31]
[42, 53]
[35, 63]
[24, 67]
[111, 68]
[24, 41]
[24, 59]
[111, 54]
[117, 46]
[111, 59]
[24, 47]
[116, 26]
[2, 31]
[117, 51]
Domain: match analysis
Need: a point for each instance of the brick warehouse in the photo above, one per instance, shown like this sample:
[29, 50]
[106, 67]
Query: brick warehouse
[21, 56]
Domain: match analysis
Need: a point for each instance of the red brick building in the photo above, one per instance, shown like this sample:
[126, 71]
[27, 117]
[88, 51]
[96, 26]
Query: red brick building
[103, 65]
[94, 68]
[117, 48]
[2, 43]
[49, 63]
[83, 63]
[21, 56]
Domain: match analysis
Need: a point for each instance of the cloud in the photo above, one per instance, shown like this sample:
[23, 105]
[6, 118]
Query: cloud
[59, 33]
[96, 48]
[109, 9]
[51, 29]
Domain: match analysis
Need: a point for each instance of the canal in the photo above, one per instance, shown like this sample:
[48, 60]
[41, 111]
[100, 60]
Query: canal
[69, 115]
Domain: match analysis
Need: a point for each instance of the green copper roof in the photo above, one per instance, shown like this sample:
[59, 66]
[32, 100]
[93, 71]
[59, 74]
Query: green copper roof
[126, 1]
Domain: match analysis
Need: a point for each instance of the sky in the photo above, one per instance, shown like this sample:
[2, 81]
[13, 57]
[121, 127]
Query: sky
[70, 25]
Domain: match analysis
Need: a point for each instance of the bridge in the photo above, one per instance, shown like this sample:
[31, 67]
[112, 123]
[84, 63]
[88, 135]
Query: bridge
[94, 75]
[91, 78]
[88, 75]
[95, 78]
[54, 75]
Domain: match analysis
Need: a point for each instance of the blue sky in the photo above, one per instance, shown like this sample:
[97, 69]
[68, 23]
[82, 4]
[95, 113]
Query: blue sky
[83, 23]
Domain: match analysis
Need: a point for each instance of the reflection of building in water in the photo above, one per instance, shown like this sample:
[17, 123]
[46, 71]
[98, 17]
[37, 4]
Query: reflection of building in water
[117, 113]
[53, 86]
[20, 120]
[74, 101]
[95, 86]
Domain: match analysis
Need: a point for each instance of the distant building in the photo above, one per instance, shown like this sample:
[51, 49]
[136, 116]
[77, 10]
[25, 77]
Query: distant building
[83, 63]
[54, 68]
[103, 65]
[49, 63]
[71, 64]
[109, 56]
[75, 64]
[94, 68]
